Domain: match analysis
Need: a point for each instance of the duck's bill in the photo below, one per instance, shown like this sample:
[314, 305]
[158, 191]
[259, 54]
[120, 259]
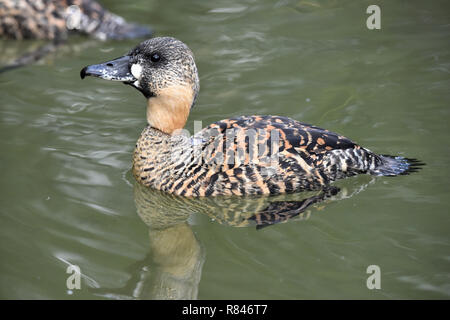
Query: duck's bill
[115, 70]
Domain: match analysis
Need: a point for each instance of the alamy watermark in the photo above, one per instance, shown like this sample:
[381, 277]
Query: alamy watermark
[74, 280]
[73, 16]
[374, 280]
[374, 20]
[233, 146]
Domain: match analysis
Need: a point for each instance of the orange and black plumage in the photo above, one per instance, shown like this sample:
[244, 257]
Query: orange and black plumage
[247, 155]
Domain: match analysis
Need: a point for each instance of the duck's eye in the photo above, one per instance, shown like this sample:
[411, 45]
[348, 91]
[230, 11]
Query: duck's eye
[155, 57]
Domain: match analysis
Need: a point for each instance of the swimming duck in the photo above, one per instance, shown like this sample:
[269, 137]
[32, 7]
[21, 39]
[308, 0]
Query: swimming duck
[53, 19]
[247, 155]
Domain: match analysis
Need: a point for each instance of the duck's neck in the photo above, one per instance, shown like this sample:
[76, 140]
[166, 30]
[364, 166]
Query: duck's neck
[157, 157]
[169, 109]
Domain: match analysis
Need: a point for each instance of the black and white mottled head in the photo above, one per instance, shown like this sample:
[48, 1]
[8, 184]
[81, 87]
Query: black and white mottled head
[164, 70]
[162, 62]
[153, 65]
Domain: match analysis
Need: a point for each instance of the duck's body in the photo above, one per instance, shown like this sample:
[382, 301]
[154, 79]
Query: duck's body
[54, 19]
[248, 155]
[309, 158]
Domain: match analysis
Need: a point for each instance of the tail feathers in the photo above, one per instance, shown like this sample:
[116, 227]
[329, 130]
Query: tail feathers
[394, 166]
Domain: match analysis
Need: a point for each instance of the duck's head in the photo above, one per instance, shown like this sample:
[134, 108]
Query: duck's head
[164, 70]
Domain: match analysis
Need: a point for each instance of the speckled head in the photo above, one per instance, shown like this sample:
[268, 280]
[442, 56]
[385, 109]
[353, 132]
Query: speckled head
[164, 70]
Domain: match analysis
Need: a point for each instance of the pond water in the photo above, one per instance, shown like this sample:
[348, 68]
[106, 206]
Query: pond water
[67, 195]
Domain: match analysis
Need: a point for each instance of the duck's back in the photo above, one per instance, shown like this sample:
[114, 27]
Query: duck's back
[25, 19]
[268, 155]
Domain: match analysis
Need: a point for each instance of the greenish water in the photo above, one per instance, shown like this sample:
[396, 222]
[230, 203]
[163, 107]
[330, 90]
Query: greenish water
[67, 195]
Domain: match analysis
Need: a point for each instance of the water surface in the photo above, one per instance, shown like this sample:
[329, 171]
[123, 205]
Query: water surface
[67, 195]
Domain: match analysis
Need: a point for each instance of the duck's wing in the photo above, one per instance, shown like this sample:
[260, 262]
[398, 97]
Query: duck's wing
[262, 155]
[289, 137]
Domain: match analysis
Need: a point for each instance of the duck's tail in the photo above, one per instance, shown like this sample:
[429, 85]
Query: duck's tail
[394, 165]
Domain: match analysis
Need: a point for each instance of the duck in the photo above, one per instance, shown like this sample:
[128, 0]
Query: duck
[241, 156]
[55, 19]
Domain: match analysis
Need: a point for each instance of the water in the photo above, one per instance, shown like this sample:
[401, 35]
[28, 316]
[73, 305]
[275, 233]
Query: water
[67, 195]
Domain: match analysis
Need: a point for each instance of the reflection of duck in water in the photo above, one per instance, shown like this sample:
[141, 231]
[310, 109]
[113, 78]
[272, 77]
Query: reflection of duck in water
[248, 155]
[167, 209]
[173, 267]
[54, 20]
[175, 253]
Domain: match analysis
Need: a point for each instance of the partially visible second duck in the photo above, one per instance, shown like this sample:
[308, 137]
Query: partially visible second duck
[54, 19]
[247, 155]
